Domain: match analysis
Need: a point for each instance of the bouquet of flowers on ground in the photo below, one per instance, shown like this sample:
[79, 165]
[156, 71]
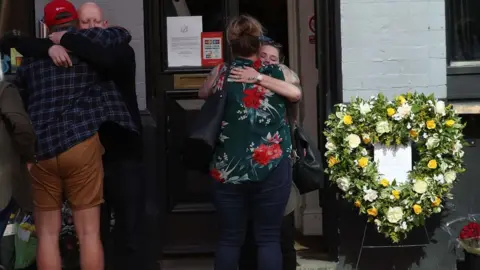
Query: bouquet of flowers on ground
[469, 238]
[465, 232]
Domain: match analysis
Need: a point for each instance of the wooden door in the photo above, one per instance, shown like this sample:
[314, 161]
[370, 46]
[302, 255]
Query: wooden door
[188, 224]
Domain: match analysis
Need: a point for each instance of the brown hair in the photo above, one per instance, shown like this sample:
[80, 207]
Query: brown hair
[243, 34]
[278, 46]
[63, 26]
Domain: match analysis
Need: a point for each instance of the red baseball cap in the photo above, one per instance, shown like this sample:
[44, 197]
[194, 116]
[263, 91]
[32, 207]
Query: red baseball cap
[59, 12]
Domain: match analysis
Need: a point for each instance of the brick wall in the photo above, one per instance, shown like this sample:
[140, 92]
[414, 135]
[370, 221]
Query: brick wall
[391, 46]
[129, 14]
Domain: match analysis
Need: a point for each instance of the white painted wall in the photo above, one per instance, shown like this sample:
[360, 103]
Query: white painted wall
[392, 46]
[126, 13]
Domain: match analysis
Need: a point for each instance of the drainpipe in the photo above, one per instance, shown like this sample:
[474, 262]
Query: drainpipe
[329, 92]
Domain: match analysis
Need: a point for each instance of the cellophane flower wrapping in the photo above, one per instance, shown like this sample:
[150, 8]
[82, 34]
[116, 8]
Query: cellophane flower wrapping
[465, 233]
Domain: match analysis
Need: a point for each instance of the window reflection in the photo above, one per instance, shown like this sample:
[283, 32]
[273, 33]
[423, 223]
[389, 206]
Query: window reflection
[465, 30]
[210, 10]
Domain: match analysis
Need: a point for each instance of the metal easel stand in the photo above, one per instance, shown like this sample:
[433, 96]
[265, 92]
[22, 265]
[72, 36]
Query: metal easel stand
[363, 246]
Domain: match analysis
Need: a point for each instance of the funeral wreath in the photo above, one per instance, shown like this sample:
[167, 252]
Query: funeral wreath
[435, 131]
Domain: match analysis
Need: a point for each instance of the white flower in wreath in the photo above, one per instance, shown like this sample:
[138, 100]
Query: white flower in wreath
[402, 112]
[403, 226]
[383, 127]
[440, 108]
[353, 141]
[450, 176]
[365, 108]
[443, 166]
[439, 178]
[343, 183]
[432, 142]
[370, 195]
[457, 147]
[420, 187]
[330, 146]
[394, 214]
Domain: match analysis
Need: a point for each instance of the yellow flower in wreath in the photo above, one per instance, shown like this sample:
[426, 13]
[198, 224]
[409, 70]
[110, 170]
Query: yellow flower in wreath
[357, 204]
[396, 194]
[432, 164]
[401, 99]
[417, 209]
[391, 111]
[363, 162]
[431, 124]
[332, 161]
[436, 202]
[413, 133]
[449, 123]
[347, 120]
[384, 182]
[372, 212]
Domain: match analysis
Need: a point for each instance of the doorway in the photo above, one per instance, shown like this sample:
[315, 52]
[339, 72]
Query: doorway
[188, 223]
[273, 15]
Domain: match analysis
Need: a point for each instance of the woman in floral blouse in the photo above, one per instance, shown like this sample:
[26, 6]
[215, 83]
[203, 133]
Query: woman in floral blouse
[251, 168]
[271, 53]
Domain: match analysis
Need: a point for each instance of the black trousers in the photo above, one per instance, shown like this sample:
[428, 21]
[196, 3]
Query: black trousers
[124, 185]
[248, 257]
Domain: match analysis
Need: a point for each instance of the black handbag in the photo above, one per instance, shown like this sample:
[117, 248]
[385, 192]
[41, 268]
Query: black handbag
[200, 144]
[308, 172]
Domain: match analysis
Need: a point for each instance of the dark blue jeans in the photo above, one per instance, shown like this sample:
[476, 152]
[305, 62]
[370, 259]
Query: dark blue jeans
[264, 202]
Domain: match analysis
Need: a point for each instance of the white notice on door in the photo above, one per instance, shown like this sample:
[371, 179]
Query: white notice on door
[394, 163]
[184, 36]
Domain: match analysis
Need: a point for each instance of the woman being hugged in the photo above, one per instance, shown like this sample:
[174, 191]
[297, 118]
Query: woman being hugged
[251, 167]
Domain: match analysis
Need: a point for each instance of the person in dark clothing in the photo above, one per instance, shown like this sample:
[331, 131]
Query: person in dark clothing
[123, 164]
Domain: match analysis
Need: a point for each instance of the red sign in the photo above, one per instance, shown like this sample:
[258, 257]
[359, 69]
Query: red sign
[212, 49]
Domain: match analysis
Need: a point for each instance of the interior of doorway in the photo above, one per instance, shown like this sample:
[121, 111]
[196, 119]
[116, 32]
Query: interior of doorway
[273, 15]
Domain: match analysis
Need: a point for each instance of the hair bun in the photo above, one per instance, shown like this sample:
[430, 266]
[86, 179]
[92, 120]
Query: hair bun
[244, 25]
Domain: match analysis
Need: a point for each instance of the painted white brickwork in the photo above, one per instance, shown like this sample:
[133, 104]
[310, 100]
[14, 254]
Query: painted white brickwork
[129, 14]
[392, 46]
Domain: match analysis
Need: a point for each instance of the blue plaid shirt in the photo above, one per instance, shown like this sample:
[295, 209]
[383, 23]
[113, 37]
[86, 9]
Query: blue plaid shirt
[68, 105]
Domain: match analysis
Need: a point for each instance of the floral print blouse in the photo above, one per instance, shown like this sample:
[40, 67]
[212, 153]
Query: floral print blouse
[255, 134]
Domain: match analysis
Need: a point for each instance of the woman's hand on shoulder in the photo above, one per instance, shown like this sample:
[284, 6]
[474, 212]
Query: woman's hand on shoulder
[243, 75]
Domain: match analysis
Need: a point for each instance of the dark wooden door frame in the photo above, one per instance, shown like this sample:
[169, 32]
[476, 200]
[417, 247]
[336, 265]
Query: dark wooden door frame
[329, 93]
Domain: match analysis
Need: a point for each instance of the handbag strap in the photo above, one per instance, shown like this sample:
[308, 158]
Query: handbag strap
[292, 112]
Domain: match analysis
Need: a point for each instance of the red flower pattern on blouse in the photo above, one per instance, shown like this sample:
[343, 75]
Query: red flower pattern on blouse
[253, 97]
[217, 175]
[257, 64]
[263, 154]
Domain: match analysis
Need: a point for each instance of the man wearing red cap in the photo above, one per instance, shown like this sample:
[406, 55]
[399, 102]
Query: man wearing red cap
[69, 151]
[123, 162]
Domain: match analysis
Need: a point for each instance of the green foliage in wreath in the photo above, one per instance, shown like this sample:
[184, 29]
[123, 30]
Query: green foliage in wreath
[436, 132]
